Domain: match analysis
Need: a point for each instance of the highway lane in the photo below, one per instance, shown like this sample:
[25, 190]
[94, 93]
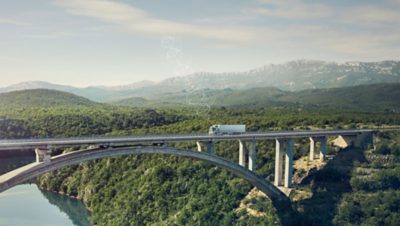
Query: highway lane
[23, 144]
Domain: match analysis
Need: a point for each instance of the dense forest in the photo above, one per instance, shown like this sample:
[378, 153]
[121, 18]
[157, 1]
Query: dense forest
[357, 187]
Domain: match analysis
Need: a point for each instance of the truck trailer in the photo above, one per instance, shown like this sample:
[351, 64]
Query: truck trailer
[226, 129]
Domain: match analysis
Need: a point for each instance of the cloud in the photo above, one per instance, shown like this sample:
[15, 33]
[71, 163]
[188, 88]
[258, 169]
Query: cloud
[361, 14]
[318, 27]
[354, 45]
[372, 14]
[13, 22]
[136, 20]
[295, 9]
[55, 35]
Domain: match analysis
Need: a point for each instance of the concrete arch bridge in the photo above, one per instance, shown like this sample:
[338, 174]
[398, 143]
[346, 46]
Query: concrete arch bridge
[120, 146]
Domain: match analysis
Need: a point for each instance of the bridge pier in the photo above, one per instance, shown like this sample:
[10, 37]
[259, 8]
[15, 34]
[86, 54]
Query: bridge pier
[278, 162]
[210, 147]
[242, 153]
[252, 156]
[322, 154]
[283, 148]
[313, 142]
[374, 141]
[288, 164]
[42, 155]
[312, 148]
[199, 146]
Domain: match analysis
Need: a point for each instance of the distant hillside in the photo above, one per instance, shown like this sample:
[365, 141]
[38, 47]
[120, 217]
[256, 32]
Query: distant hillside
[290, 76]
[132, 101]
[365, 97]
[376, 97]
[42, 98]
[92, 93]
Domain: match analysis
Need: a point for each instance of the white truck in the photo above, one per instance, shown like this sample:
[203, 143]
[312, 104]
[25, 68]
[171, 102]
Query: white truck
[226, 129]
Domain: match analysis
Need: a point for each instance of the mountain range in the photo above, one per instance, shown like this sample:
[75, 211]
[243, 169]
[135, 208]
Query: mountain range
[291, 76]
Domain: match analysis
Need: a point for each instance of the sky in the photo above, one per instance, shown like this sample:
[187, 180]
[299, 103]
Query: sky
[118, 42]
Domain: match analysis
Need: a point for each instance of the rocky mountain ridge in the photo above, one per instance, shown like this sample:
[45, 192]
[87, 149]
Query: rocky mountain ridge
[290, 76]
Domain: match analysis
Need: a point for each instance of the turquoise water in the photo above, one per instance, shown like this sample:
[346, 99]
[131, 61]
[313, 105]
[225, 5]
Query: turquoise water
[26, 205]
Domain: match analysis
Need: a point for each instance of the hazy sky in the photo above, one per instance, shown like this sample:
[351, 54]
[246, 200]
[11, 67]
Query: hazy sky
[113, 42]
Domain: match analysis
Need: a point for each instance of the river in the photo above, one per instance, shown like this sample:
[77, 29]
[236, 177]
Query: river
[27, 205]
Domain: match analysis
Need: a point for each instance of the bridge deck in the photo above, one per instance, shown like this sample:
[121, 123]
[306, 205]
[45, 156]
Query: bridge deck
[21, 144]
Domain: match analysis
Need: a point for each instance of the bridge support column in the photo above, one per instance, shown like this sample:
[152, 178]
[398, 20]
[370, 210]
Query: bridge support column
[312, 148]
[322, 149]
[210, 147]
[252, 156]
[42, 155]
[278, 162]
[199, 146]
[242, 153]
[288, 164]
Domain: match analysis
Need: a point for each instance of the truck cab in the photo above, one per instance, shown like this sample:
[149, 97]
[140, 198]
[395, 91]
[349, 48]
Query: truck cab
[213, 130]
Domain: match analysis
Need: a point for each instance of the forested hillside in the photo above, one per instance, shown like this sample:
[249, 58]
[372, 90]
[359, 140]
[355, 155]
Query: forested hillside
[376, 97]
[43, 98]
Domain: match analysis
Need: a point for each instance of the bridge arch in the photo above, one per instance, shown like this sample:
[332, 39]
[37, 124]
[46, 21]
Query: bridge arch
[33, 170]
